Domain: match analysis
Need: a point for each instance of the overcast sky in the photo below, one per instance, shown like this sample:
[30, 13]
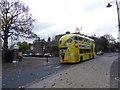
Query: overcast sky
[55, 17]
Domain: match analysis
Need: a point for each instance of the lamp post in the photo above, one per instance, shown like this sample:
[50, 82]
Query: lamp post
[43, 50]
[109, 5]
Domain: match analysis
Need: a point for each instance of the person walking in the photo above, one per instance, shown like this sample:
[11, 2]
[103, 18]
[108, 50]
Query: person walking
[20, 55]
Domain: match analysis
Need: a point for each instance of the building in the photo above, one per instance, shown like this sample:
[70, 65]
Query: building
[38, 46]
[42, 47]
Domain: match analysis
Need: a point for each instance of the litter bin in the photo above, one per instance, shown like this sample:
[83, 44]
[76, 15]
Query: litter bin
[15, 52]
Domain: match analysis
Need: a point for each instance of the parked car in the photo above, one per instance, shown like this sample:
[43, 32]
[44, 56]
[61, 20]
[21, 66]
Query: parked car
[117, 50]
[47, 55]
[100, 53]
[38, 55]
[31, 54]
[25, 54]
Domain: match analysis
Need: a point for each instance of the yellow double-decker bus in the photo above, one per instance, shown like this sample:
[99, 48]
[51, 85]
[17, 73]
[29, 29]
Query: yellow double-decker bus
[75, 48]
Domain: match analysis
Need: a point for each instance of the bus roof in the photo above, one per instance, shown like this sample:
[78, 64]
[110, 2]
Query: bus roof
[67, 36]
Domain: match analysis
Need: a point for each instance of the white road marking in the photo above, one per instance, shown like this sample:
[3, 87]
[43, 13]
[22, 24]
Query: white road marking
[117, 79]
[58, 66]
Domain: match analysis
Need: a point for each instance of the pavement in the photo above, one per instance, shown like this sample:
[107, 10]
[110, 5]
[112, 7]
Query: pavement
[95, 73]
[26, 64]
[0, 69]
[13, 71]
[0, 74]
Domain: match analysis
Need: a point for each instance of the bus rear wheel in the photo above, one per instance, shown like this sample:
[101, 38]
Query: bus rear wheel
[81, 59]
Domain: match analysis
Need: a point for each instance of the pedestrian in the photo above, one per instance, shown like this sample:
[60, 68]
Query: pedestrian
[47, 59]
[20, 56]
[62, 54]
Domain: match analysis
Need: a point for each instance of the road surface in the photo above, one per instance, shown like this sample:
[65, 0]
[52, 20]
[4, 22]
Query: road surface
[37, 76]
[101, 72]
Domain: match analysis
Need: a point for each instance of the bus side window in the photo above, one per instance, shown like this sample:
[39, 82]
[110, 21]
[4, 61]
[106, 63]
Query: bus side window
[81, 51]
[89, 50]
[85, 50]
[80, 38]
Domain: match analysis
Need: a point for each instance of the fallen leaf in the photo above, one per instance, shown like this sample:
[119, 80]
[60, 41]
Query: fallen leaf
[53, 84]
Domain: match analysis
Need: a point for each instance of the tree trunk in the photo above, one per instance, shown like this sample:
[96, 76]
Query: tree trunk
[5, 48]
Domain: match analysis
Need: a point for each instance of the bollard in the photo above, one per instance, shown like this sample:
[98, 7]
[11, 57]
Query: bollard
[47, 59]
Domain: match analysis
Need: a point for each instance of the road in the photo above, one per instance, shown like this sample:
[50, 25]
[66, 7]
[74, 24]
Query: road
[38, 74]
[101, 72]
[11, 79]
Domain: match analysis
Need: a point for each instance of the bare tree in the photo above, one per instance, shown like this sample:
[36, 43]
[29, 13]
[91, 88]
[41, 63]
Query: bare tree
[15, 21]
[110, 38]
[49, 39]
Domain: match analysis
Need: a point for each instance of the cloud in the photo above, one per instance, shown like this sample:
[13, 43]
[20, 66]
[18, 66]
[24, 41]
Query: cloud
[58, 16]
[40, 25]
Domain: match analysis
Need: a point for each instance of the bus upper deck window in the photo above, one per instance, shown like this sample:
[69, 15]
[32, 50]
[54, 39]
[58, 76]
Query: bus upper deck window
[69, 40]
[75, 38]
[81, 39]
[88, 41]
[85, 40]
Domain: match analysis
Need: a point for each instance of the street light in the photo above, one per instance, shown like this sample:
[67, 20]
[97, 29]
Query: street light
[109, 5]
